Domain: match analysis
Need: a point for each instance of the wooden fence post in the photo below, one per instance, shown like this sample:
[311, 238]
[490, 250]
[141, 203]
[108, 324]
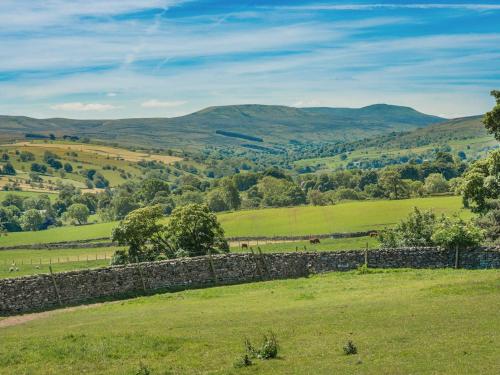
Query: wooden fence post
[456, 256]
[366, 255]
[140, 274]
[55, 286]
[212, 267]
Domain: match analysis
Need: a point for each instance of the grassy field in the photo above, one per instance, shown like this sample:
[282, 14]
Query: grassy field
[344, 217]
[302, 220]
[403, 322]
[32, 262]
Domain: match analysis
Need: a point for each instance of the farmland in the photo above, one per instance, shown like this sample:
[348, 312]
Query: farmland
[301, 220]
[402, 321]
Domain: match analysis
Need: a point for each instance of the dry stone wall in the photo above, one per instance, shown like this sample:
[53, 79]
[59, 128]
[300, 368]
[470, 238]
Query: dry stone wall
[42, 292]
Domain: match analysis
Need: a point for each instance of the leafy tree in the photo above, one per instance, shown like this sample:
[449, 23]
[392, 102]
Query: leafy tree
[415, 230]
[39, 168]
[216, 201]
[491, 119]
[9, 219]
[141, 232]
[195, 230]
[245, 181]
[32, 220]
[13, 200]
[490, 222]
[152, 186]
[8, 169]
[451, 234]
[280, 192]
[229, 193]
[435, 183]
[78, 212]
[391, 182]
[68, 167]
[26, 156]
[5, 156]
[482, 183]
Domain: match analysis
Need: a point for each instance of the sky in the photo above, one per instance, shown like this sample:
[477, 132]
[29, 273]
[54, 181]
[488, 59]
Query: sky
[165, 58]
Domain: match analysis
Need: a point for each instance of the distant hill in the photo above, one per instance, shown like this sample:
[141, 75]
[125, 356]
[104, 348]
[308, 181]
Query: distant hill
[467, 135]
[232, 125]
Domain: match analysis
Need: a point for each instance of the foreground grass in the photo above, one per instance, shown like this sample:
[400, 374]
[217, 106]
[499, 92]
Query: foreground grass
[403, 322]
[302, 220]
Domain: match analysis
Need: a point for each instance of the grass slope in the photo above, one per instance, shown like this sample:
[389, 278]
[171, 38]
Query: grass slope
[301, 220]
[464, 134]
[273, 123]
[403, 322]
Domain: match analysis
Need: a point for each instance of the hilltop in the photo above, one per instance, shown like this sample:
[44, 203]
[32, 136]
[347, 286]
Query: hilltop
[254, 123]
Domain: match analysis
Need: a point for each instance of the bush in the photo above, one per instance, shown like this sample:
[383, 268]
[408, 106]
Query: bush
[143, 370]
[350, 348]
[268, 350]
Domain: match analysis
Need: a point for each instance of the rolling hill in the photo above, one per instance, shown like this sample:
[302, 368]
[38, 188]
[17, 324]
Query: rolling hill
[462, 134]
[243, 123]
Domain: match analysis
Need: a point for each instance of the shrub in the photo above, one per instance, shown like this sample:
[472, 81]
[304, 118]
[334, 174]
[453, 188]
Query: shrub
[350, 348]
[143, 370]
[268, 349]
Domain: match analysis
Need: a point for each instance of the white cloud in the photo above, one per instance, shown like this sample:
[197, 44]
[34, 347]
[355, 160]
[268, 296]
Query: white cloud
[153, 103]
[83, 107]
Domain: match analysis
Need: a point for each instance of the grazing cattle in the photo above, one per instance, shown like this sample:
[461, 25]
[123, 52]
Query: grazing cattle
[373, 234]
[314, 241]
[244, 246]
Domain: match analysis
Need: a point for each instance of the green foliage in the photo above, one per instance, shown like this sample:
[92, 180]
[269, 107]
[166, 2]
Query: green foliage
[456, 233]
[268, 349]
[196, 231]
[415, 230]
[8, 169]
[243, 361]
[435, 183]
[391, 182]
[78, 212]
[482, 182]
[141, 232]
[280, 192]
[31, 220]
[491, 119]
[350, 348]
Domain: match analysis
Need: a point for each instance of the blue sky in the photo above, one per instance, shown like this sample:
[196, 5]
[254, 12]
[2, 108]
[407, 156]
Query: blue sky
[145, 58]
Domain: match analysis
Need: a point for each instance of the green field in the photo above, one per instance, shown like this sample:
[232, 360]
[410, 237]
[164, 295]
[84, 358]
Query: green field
[301, 220]
[344, 217]
[402, 321]
[31, 262]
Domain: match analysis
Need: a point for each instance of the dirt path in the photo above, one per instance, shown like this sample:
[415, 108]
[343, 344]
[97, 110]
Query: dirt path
[21, 319]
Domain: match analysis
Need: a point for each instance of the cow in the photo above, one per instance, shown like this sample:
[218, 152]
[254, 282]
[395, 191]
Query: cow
[374, 234]
[244, 246]
[314, 241]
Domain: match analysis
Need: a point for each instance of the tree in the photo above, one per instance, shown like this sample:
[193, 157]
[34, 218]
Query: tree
[68, 167]
[194, 230]
[230, 193]
[415, 230]
[79, 212]
[482, 183]
[491, 119]
[452, 234]
[141, 232]
[8, 169]
[32, 220]
[216, 202]
[152, 186]
[435, 183]
[280, 192]
[392, 183]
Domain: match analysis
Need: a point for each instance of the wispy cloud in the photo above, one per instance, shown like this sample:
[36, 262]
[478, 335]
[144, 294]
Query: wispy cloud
[140, 54]
[153, 103]
[83, 107]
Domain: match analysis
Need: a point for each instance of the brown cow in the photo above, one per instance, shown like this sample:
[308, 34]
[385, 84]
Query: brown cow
[244, 246]
[314, 241]
[374, 234]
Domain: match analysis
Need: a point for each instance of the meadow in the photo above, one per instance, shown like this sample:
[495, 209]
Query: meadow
[402, 322]
[31, 262]
[301, 220]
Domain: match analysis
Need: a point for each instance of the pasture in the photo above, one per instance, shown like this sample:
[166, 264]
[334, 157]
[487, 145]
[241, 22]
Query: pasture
[32, 262]
[292, 221]
[402, 322]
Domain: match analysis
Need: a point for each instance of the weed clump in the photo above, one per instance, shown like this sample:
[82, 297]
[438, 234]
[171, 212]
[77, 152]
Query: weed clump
[267, 350]
[350, 348]
[243, 361]
[143, 370]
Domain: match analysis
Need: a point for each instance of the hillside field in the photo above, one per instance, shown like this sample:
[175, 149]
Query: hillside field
[402, 322]
[301, 220]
